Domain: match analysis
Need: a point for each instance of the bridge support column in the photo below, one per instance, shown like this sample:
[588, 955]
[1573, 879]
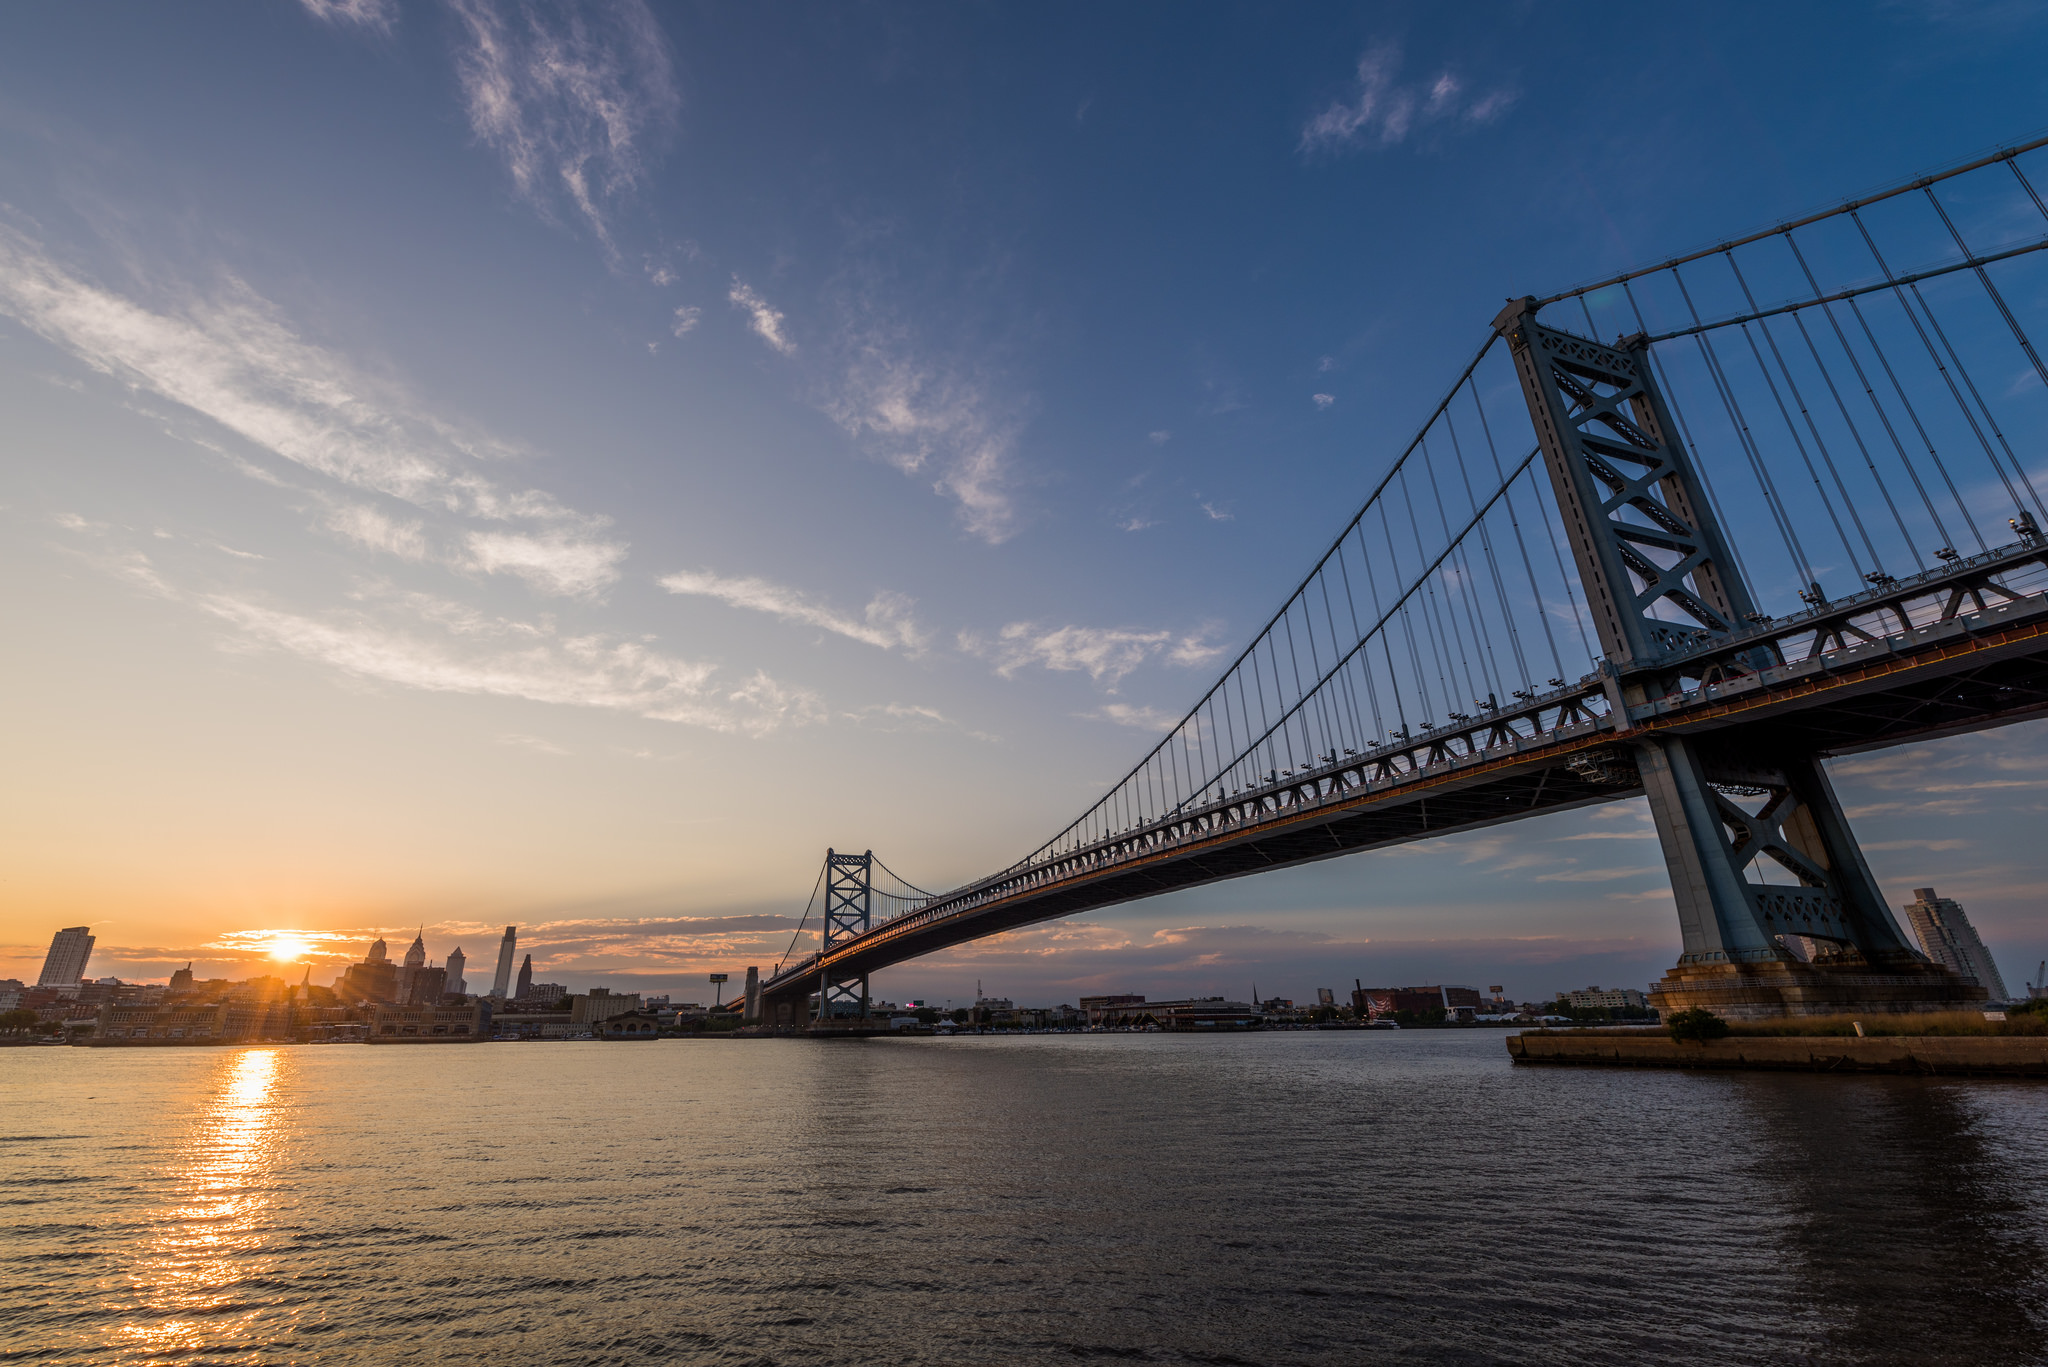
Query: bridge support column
[849, 911]
[1725, 821]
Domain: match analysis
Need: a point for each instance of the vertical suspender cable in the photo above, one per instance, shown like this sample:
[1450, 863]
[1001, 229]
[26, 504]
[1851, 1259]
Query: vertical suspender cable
[1515, 521]
[1842, 405]
[2019, 335]
[1906, 305]
[1800, 564]
[1813, 428]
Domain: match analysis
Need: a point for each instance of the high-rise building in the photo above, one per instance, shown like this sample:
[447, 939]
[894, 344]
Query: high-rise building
[65, 963]
[1948, 938]
[415, 963]
[457, 984]
[425, 988]
[375, 979]
[525, 977]
[503, 979]
[181, 981]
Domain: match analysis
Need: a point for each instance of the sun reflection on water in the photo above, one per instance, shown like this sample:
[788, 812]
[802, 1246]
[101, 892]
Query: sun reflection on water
[205, 1246]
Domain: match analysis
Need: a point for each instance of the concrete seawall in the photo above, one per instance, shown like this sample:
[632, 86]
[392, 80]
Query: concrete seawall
[1958, 1055]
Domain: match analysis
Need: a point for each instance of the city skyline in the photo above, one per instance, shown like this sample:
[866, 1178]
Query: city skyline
[429, 503]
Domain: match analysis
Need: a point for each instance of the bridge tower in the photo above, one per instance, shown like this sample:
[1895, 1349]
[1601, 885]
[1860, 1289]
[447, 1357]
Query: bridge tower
[849, 911]
[1660, 581]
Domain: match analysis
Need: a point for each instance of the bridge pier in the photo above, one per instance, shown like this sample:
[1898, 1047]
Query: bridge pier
[1723, 818]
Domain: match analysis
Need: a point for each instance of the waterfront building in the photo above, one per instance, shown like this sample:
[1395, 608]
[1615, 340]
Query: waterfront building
[543, 996]
[64, 965]
[525, 988]
[1613, 998]
[10, 993]
[1945, 933]
[630, 1025]
[458, 986]
[519, 1023]
[601, 1004]
[1097, 1009]
[1450, 998]
[1123, 1010]
[181, 981]
[244, 1019]
[501, 983]
[465, 1023]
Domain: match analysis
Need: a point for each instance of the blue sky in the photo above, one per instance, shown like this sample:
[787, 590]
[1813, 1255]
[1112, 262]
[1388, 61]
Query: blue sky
[570, 465]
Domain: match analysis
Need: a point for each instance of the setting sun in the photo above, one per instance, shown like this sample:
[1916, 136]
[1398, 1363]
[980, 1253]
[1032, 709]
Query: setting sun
[288, 946]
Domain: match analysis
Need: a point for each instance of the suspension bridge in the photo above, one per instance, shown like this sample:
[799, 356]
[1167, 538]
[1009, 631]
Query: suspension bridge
[1788, 512]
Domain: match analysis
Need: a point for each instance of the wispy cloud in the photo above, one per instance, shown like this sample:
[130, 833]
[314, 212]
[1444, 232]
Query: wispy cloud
[685, 319]
[568, 95]
[897, 716]
[926, 419]
[886, 622]
[1381, 109]
[1217, 514]
[371, 14]
[376, 530]
[417, 640]
[231, 358]
[1322, 400]
[556, 561]
[764, 320]
[524, 742]
[1105, 654]
[1127, 714]
[1159, 438]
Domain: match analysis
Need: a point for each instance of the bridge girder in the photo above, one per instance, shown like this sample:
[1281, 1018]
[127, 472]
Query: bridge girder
[1974, 671]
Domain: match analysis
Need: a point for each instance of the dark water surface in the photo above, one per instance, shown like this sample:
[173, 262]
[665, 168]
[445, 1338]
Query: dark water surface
[1338, 1198]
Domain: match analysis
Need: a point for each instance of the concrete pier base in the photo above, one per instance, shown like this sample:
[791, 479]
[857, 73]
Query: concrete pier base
[1791, 987]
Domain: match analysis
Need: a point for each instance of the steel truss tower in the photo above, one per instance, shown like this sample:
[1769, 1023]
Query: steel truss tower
[1660, 581]
[849, 911]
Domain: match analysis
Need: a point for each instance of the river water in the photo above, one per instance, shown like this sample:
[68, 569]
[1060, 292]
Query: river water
[1327, 1197]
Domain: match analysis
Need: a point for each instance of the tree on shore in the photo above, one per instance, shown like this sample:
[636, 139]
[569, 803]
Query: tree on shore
[1698, 1025]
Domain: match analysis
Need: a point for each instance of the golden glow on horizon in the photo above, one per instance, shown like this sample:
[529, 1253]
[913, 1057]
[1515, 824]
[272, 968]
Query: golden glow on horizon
[288, 946]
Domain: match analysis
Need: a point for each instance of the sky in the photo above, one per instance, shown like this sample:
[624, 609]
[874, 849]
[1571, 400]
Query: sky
[570, 465]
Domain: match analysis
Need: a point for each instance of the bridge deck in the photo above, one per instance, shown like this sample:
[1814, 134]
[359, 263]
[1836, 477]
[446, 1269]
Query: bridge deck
[1961, 672]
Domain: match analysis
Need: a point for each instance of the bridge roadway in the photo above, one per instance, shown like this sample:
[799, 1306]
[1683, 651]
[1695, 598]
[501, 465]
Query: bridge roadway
[1943, 653]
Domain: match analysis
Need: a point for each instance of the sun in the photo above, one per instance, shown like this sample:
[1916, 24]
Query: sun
[288, 946]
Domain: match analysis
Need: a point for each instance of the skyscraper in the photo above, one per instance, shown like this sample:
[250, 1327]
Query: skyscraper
[409, 971]
[376, 954]
[525, 977]
[65, 963]
[457, 984]
[1948, 938]
[181, 981]
[503, 979]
